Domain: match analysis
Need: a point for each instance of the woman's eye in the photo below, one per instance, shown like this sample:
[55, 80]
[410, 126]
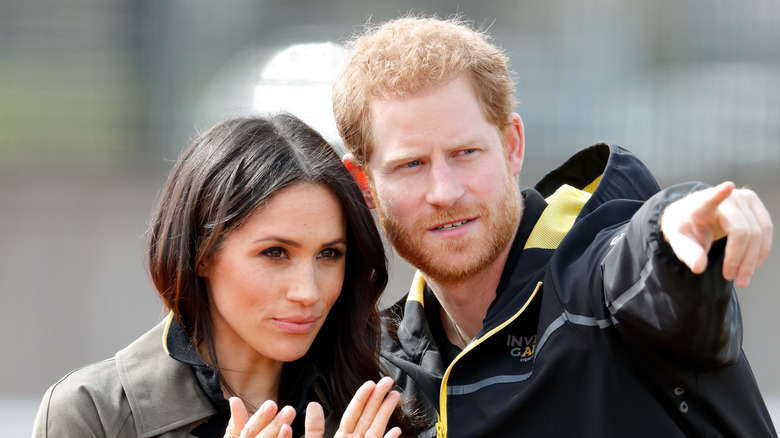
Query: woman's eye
[275, 253]
[330, 253]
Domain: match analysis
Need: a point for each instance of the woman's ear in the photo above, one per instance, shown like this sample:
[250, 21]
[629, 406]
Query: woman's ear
[360, 177]
[202, 269]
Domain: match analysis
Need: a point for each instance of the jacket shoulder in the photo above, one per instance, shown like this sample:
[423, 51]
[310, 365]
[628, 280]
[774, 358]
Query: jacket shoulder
[89, 401]
[142, 391]
[163, 393]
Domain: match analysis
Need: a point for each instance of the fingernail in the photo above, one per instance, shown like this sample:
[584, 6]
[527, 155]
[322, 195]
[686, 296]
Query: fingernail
[267, 407]
[288, 413]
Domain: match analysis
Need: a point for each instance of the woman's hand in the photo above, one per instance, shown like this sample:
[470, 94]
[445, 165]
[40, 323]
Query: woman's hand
[369, 411]
[265, 423]
[366, 416]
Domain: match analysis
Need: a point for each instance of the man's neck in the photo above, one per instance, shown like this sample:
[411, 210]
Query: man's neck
[465, 303]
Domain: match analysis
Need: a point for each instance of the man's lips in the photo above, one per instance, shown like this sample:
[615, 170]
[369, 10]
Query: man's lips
[451, 225]
[298, 324]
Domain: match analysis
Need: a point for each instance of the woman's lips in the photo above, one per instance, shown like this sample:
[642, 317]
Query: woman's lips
[296, 325]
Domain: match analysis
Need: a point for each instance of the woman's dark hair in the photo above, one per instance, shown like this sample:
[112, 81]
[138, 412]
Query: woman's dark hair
[224, 176]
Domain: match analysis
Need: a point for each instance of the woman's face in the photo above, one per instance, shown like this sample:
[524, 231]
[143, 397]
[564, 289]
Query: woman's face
[273, 280]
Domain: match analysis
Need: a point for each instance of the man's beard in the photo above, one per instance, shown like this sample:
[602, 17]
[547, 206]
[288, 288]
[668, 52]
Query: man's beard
[435, 259]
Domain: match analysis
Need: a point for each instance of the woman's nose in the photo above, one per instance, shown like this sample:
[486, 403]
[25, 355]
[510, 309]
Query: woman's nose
[303, 286]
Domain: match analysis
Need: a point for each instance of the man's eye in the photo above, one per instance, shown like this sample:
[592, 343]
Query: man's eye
[413, 163]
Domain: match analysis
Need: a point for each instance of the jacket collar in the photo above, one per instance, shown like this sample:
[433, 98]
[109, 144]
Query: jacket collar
[607, 171]
[588, 179]
[162, 392]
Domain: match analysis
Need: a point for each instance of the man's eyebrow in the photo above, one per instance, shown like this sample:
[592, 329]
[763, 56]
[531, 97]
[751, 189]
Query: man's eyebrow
[468, 141]
[400, 156]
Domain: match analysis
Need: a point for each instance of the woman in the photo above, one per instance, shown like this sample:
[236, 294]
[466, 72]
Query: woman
[259, 235]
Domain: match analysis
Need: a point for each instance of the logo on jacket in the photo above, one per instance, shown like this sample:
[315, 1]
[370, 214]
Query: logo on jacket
[616, 239]
[521, 346]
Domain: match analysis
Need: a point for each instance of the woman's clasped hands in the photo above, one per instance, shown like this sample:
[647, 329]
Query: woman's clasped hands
[366, 416]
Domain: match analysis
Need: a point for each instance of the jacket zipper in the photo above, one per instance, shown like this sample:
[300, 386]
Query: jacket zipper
[441, 425]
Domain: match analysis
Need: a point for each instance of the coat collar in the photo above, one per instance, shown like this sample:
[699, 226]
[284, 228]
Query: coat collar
[162, 392]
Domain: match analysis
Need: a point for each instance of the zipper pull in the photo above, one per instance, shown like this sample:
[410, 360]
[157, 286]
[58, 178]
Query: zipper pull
[440, 432]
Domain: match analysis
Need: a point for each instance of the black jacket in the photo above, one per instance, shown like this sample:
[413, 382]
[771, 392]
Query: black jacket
[597, 328]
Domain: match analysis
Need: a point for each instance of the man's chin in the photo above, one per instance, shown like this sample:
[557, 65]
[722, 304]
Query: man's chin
[451, 267]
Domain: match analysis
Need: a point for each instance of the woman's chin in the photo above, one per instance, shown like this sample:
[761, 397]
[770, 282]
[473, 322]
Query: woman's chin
[291, 353]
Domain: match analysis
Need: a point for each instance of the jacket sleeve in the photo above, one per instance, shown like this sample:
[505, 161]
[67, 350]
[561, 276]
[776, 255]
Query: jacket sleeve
[658, 303]
[88, 402]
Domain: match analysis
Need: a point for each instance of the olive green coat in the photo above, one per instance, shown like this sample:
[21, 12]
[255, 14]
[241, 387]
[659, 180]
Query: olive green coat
[141, 392]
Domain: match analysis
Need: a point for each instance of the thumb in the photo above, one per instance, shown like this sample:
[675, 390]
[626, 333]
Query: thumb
[315, 421]
[691, 252]
[238, 418]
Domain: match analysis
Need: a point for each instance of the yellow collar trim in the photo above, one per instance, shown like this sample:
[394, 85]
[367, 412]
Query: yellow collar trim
[417, 290]
[168, 321]
[557, 219]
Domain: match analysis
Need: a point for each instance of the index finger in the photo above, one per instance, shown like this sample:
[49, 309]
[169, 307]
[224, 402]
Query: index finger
[355, 407]
[265, 424]
[370, 408]
[712, 197]
[379, 423]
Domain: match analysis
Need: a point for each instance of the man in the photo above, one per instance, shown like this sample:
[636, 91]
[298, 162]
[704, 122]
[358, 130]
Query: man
[591, 305]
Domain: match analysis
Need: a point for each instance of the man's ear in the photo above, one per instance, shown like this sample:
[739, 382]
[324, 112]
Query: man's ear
[515, 143]
[360, 177]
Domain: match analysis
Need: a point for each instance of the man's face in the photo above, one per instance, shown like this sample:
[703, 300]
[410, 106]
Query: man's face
[443, 181]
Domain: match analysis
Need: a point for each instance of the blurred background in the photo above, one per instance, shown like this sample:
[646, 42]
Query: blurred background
[98, 98]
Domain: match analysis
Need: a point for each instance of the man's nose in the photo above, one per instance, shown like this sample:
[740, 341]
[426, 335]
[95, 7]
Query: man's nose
[444, 187]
